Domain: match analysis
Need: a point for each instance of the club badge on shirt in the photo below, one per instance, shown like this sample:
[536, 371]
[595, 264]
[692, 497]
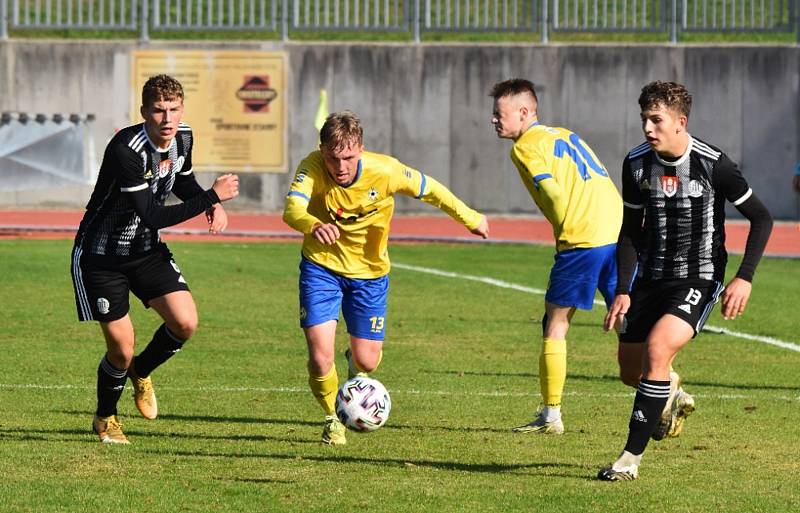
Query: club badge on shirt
[164, 167]
[669, 184]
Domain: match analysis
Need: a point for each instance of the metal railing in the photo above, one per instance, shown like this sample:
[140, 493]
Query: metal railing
[280, 17]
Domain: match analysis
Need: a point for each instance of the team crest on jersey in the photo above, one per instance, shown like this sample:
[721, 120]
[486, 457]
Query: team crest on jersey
[669, 184]
[164, 167]
[695, 188]
[373, 194]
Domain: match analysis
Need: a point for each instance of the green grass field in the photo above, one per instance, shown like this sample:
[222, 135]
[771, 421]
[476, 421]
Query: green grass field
[238, 430]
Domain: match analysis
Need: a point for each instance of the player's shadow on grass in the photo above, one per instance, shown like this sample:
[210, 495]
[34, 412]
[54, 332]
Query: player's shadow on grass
[409, 463]
[222, 419]
[527, 375]
[80, 435]
[254, 480]
[238, 420]
[739, 386]
[44, 435]
[610, 378]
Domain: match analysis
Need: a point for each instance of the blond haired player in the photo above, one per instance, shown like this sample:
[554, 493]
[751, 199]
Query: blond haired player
[342, 200]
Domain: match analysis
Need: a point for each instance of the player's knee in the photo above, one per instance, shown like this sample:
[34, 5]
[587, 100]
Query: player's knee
[368, 365]
[320, 364]
[659, 356]
[120, 357]
[183, 328]
[630, 378]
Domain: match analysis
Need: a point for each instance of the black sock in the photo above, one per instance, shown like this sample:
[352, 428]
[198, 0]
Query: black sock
[651, 397]
[110, 384]
[158, 351]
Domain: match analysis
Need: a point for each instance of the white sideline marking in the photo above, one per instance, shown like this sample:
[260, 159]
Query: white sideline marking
[530, 290]
[299, 390]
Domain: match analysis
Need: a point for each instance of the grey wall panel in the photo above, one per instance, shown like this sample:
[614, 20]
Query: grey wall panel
[428, 105]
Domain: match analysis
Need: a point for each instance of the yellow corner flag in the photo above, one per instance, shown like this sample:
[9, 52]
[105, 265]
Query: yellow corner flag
[322, 110]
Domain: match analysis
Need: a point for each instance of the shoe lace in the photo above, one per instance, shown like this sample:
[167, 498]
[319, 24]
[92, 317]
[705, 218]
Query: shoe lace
[113, 426]
[333, 425]
[144, 385]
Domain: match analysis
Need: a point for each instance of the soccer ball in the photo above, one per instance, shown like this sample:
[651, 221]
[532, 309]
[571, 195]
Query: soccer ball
[363, 404]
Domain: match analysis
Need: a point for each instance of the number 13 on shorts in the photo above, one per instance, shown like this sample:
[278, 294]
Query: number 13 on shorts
[377, 324]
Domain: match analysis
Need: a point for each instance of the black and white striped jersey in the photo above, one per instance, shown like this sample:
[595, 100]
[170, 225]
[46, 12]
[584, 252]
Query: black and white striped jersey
[127, 206]
[683, 205]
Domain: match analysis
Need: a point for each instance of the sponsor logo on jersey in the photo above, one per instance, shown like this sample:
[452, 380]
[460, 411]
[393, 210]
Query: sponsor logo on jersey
[695, 188]
[256, 94]
[103, 306]
[407, 173]
[669, 184]
[342, 217]
[644, 185]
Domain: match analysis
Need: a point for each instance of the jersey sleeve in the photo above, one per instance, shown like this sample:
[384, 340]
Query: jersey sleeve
[729, 181]
[159, 216]
[631, 193]
[757, 238]
[295, 208]
[130, 169]
[631, 233]
[186, 186]
[410, 182]
[552, 197]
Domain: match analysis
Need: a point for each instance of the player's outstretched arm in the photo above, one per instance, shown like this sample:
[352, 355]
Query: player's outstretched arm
[737, 293]
[483, 228]
[158, 216]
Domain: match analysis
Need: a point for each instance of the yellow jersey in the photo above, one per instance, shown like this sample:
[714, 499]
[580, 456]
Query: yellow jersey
[362, 210]
[570, 186]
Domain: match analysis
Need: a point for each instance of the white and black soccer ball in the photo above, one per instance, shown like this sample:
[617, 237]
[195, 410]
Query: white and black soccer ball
[363, 404]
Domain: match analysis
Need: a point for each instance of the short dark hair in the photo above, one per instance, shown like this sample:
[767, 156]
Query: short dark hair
[513, 87]
[341, 129]
[671, 95]
[161, 87]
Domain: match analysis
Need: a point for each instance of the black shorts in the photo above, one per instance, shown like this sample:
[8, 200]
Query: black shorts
[689, 299]
[102, 283]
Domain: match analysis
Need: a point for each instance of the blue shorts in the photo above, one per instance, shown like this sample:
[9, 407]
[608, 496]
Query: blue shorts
[578, 273]
[362, 301]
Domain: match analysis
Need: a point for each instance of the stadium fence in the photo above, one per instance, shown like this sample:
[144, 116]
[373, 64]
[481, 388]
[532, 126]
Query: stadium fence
[279, 18]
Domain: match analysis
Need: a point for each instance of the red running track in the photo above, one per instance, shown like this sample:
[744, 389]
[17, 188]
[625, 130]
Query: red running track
[785, 239]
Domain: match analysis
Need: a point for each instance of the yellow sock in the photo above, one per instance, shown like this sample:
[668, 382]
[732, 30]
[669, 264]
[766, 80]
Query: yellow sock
[552, 370]
[324, 389]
